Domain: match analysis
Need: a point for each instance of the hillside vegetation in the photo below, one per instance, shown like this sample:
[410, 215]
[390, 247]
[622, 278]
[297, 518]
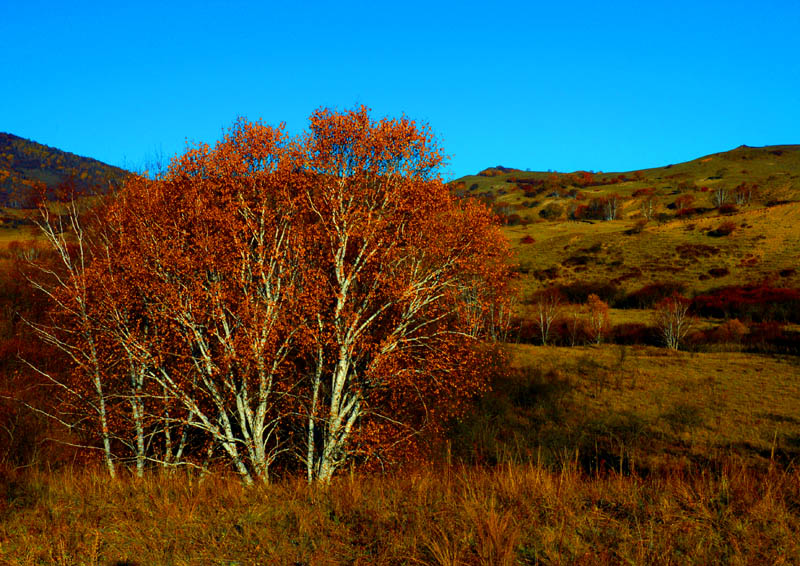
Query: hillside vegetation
[666, 225]
[27, 167]
[720, 230]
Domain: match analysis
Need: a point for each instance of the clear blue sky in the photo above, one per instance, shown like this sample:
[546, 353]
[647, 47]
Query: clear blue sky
[606, 86]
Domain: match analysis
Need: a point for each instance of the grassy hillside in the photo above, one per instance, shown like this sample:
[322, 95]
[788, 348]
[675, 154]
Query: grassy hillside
[557, 242]
[26, 167]
[774, 168]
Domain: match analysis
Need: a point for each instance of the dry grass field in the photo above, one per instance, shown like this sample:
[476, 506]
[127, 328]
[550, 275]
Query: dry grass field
[514, 514]
[641, 409]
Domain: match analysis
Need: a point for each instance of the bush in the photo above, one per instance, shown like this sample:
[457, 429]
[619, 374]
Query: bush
[552, 211]
[631, 333]
[513, 220]
[764, 333]
[651, 294]
[728, 209]
[718, 272]
[546, 274]
[695, 251]
[724, 229]
[685, 212]
[731, 332]
[576, 260]
[756, 303]
[637, 228]
[527, 240]
[579, 291]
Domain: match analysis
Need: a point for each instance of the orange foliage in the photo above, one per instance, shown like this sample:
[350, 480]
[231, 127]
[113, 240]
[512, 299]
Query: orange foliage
[301, 299]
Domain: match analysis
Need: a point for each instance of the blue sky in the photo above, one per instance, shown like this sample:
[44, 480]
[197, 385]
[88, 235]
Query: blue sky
[609, 86]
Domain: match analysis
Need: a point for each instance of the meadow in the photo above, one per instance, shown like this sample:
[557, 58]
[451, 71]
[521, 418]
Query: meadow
[511, 514]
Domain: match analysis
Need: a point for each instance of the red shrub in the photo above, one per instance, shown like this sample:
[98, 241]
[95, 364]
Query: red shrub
[649, 295]
[630, 333]
[764, 332]
[752, 302]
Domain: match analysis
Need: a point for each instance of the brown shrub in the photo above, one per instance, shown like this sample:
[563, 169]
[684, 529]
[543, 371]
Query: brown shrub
[724, 229]
[731, 331]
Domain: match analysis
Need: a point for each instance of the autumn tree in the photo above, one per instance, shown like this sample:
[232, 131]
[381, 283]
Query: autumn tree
[548, 304]
[684, 201]
[411, 276]
[318, 298]
[72, 326]
[576, 324]
[611, 206]
[598, 321]
[648, 206]
[673, 320]
[744, 192]
[719, 196]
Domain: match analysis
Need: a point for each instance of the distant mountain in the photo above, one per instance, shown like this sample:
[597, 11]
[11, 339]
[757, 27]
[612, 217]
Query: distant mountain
[27, 168]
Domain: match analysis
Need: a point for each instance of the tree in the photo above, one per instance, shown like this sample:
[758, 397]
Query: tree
[611, 205]
[719, 196]
[548, 308]
[406, 266]
[744, 193]
[673, 320]
[598, 318]
[552, 211]
[72, 326]
[314, 299]
[576, 325]
[684, 201]
[648, 206]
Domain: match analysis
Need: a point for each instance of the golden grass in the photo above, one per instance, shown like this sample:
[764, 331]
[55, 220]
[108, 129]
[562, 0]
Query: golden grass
[656, 406]
[764, 243]
[450, 516]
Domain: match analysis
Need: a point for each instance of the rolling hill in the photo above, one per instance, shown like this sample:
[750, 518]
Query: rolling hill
[26, 167]
[724, 219]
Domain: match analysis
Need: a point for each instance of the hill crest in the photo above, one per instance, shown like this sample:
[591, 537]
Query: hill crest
[28, 167]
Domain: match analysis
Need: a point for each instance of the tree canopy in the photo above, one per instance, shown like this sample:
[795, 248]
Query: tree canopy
[283, 300]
